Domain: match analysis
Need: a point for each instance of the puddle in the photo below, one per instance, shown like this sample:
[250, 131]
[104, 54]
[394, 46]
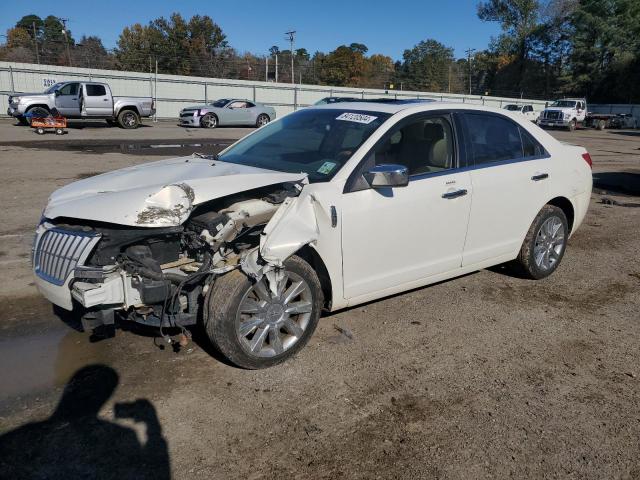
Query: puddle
[163, 147]
[40, 361]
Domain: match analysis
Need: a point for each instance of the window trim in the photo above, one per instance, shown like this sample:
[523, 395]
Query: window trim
[353, 183]
[471, 165]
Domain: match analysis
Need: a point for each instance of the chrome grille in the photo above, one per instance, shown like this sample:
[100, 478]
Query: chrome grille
[553, 115]
[58, 251]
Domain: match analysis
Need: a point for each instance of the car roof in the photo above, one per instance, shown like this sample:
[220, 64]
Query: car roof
[415, 107]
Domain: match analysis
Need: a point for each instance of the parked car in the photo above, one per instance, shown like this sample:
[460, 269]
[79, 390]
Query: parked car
[81, 100]
[526, 110]
[567, 113]
[624, 120]
[325, 208]
[225, 112]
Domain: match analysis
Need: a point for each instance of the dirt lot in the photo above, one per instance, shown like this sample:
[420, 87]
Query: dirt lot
[484, 376]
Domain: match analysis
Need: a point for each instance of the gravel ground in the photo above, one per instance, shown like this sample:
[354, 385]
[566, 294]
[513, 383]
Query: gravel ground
[484, 376]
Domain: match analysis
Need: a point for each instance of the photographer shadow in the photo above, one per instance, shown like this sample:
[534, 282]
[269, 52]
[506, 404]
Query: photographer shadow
[75, 443]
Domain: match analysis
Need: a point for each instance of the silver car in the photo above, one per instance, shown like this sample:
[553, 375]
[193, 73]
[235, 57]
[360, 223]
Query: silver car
[227, 111]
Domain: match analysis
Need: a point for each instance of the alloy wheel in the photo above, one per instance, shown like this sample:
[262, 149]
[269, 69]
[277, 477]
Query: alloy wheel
[550, 242]
[273, 314]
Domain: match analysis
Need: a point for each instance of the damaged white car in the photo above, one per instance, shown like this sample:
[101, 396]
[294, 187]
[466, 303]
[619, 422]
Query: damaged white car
[325, 208]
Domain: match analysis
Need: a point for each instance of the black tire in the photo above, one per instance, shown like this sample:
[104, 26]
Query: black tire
[526, 262]
[37, 112]
[59, 131]
[572, 125]
[601, 125]
[262, 120]
[40, 131]
[222, 312]
[209, 120]
[128, 119]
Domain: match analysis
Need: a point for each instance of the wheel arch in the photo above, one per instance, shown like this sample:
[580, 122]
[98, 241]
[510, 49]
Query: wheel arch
[313, 258]
[37, 105]
[564, 204]
[124, 108]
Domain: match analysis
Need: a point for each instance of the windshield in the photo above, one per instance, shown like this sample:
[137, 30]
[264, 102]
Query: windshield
[313, 141]
[53, 88]
[220, 103]
[564, 103]
[512, 108]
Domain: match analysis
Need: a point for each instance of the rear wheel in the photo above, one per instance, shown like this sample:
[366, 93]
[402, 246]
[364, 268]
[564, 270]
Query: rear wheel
[262, 120]
[209, 120]
[59, 131]
[545, 243]
[260, 324]
[601, 125]
[128, 119]
[40, 131]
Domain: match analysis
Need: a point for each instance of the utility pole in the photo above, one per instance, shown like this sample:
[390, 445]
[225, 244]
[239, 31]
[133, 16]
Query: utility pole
[276, 68]
[266, 69]
[35, 41]
[66, 37]
[292, 37]
[449, 78]
[469, 51]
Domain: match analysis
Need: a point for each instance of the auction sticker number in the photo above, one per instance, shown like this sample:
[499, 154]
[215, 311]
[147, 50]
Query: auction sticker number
[356, 117]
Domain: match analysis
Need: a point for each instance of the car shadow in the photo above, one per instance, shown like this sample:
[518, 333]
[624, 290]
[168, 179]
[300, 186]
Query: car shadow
[77, 442]
[626, 133]
[625, 183]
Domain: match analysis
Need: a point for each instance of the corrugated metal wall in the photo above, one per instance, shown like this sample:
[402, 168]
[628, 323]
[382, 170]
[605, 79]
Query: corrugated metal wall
[175, 92]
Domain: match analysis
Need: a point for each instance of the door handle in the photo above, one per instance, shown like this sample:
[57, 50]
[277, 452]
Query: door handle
[455, 194]
[540, 176]
[105, 99]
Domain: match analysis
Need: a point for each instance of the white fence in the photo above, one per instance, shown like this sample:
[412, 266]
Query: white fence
[173, 92]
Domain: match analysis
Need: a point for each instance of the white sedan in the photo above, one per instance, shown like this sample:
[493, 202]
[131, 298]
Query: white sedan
[325, 208]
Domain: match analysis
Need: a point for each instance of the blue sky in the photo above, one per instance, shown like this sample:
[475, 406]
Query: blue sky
[386, 27]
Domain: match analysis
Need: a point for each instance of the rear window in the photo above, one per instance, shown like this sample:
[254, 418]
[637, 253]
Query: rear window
[96, 90]
[494, 138]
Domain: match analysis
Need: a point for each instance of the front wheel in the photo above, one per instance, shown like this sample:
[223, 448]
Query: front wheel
[572, 125]
[545, 243]
[209, 120]
[128, 119]
[262, 120]
[260, 324]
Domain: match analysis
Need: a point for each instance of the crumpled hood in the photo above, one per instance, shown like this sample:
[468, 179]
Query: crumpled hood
[158, 194]
[201, 106]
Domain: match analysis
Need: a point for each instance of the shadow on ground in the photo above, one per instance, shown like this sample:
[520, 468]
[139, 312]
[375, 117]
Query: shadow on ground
[618, 182]
[74, 442]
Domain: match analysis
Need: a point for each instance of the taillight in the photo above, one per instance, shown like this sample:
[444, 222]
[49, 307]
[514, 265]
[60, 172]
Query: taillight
[587, 158]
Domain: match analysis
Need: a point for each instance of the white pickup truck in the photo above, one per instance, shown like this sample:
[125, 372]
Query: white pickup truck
[83, 100]
[566, 113]
[526, 110]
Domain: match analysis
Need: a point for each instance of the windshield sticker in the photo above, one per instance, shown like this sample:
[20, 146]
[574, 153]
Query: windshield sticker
[327, 168]
[356, 117]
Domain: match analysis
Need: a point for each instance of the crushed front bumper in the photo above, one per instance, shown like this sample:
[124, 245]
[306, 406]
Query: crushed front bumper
[191, 121]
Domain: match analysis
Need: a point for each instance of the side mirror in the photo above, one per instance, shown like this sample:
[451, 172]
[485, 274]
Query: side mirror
[57, 93]
[387, 175]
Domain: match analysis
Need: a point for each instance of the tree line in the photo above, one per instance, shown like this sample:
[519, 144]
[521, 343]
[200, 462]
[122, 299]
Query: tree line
[546, 48]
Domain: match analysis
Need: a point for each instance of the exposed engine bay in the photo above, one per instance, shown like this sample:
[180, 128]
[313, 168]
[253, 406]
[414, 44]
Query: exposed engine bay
[160, 276]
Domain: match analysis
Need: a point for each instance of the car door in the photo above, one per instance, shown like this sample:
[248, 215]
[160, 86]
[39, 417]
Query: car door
[67, 100]
[237, 113]
[393, 237]
[509, 173]
[97, 100]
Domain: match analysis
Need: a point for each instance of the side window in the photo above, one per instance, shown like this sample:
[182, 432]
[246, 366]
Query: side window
[493, 138]
[69, 89]
[95, 90]
[528, 108]
[238, 105]
[530, 146]
[423, 146]
[249, 105]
